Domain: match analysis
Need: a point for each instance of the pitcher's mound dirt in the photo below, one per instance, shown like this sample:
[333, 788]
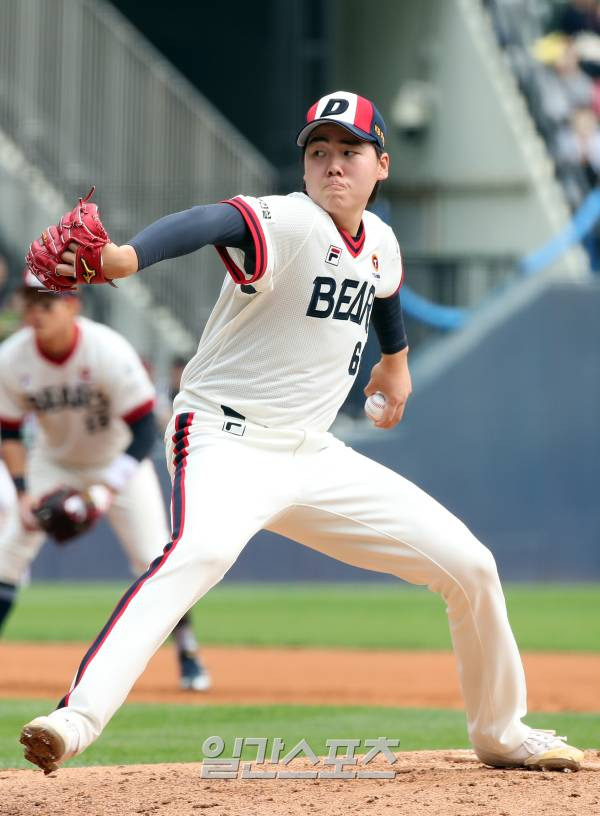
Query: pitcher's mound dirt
[556, 682]
[436, 783]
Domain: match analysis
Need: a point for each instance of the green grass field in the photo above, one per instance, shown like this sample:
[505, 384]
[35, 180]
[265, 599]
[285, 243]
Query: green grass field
[142, 733]
[385, 616]
[544, 617]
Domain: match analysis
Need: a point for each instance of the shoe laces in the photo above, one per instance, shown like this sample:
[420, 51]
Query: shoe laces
[542, 739]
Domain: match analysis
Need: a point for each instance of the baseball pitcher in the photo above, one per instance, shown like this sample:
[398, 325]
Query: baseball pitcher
[249, 445]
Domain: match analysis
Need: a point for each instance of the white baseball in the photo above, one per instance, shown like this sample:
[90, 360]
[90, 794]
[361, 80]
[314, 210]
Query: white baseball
[375, 406]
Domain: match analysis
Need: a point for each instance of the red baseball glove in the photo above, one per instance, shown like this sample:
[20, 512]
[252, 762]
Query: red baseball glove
[82, 225]
[66, 513]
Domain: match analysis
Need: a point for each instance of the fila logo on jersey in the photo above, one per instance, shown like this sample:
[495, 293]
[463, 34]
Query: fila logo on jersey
[234, 427]
[333, 255]
[346, 304]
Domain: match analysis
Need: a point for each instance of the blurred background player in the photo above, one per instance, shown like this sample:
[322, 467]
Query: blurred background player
[8, 498]
[170, 389]
[93, 403]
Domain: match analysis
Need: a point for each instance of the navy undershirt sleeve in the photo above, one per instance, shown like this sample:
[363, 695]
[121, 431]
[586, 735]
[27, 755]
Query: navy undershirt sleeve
[143, 436]
[10, 432]
[184, 232]
[388, 323]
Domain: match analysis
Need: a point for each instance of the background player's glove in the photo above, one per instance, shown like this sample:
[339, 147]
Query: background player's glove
[66, 513]
[82, 225]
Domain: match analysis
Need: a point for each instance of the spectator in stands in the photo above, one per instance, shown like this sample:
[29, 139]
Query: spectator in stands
[564, 87]
[579, 144]
[576, 17]
[579, 21]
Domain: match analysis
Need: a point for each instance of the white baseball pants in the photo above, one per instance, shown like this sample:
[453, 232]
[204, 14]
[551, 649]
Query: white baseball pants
[137, 516]
[315, 490]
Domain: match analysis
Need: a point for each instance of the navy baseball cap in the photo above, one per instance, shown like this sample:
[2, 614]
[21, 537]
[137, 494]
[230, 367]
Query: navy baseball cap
[350, 111]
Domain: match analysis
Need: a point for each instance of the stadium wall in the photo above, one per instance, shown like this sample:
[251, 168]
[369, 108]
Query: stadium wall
[506, 434]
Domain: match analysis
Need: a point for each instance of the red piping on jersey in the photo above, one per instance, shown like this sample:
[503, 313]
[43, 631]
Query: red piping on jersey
[230, 266]
[260, 244]
[354, 245]
[401, 280]
[62, 359]
[139, 412]
[11, 424]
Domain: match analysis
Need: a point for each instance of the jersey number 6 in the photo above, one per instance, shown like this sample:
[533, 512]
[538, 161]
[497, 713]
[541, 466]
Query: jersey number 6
[355, 360]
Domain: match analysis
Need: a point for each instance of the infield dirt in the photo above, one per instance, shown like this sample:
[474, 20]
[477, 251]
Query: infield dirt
[556, 682]
[436, 783]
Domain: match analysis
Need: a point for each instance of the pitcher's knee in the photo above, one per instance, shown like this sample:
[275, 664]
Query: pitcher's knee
[467, 565]
[212, 566]
[479, 568]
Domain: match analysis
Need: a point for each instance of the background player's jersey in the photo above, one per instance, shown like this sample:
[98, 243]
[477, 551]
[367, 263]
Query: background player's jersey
[283, 343]
[81, 403]
[8, 494]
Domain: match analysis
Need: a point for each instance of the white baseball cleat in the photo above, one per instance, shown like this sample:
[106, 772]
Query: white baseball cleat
[541, 751]
[201, 682]
[48, 743]
[194, 676]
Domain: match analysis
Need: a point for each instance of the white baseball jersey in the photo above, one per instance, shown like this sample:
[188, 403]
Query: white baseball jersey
[82, 402]
[291, 311]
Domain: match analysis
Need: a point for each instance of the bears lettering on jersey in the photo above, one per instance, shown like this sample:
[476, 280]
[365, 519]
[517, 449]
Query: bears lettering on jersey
[344, 304]
[57, 397]
[78, 395]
